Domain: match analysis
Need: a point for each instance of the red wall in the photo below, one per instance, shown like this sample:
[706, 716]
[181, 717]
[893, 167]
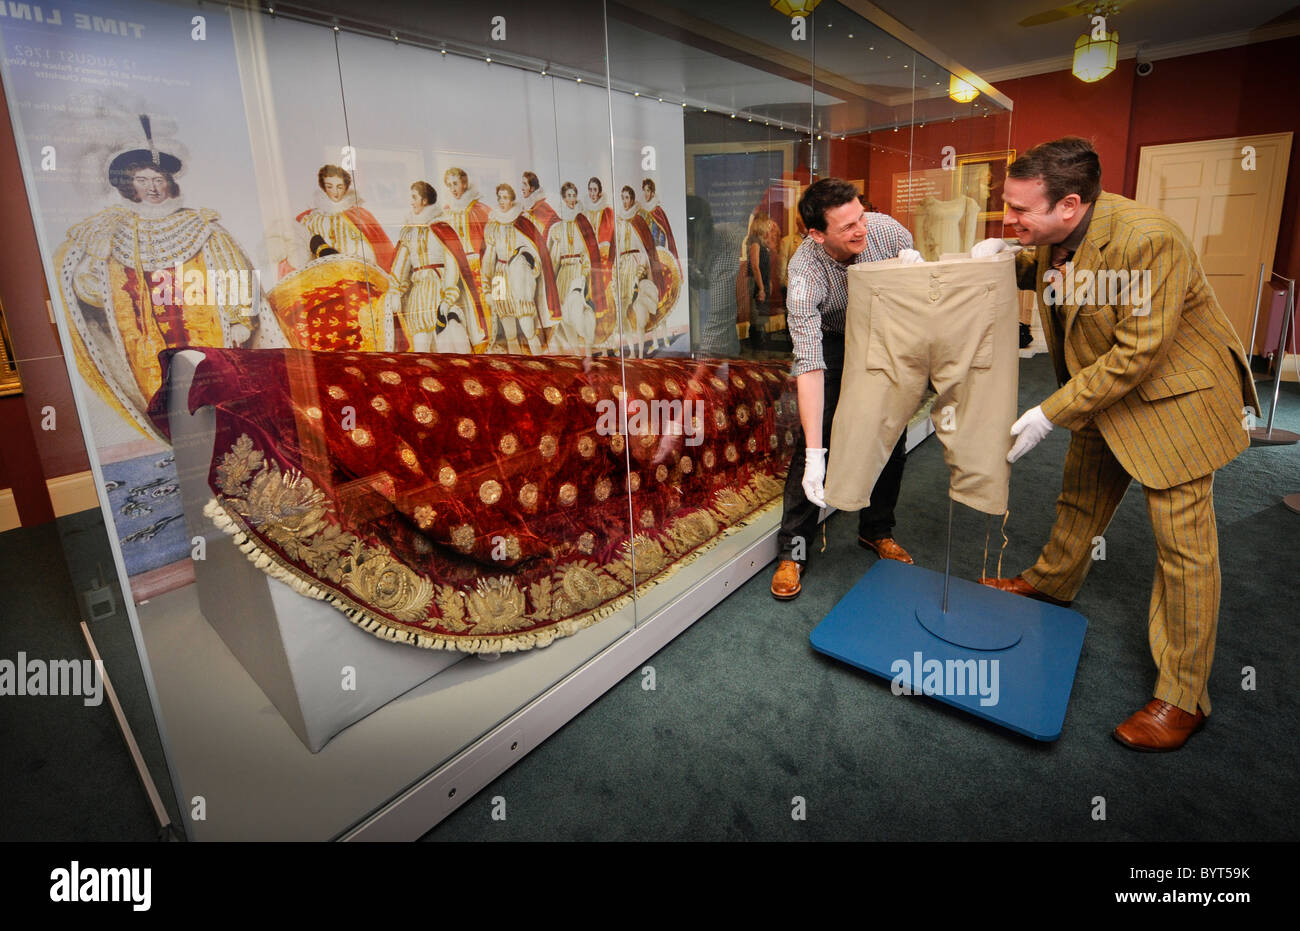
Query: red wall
[45, 380]
[1247, 90]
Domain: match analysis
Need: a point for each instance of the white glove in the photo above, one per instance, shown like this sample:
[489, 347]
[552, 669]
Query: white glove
[910, 257]
[987, 247]
[1029, 431]
[814, 475]
[239, 334]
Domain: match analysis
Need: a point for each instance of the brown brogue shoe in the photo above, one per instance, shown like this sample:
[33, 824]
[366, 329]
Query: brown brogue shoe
[785, 581]
[886, 548]
[1018, 586]
[1159, 727]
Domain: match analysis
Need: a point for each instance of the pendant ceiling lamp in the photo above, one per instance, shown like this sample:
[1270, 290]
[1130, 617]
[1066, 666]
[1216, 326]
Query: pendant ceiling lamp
[961, 91]
[794, 7]
[1095, 58]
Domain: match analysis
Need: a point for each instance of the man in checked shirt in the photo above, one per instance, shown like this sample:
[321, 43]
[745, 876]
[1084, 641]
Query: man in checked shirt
[840, 234]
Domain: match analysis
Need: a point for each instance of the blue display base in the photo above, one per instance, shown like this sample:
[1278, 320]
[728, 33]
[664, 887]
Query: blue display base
[890, 624]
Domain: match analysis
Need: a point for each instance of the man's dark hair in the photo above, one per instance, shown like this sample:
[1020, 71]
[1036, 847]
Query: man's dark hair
[123, 179]
[333, 171]
[1067, 166]
[596, 181]
[426, 192]
[823, 195]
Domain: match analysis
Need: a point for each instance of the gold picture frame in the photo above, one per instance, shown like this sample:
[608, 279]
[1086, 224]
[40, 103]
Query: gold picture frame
[980, 176]
[10, 381]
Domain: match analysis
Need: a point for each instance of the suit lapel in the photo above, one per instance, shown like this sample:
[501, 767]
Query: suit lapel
[1088, 255]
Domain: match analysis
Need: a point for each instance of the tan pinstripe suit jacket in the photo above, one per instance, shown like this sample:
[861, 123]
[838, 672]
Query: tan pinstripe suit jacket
[1165, 388]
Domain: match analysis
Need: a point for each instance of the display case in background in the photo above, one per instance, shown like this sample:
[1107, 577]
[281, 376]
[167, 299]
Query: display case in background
[420, 349]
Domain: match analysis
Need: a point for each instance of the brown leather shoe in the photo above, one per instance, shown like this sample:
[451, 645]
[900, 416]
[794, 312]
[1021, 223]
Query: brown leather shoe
[785, 581]
[1018, 586]
[1159, 727]
[886, 548]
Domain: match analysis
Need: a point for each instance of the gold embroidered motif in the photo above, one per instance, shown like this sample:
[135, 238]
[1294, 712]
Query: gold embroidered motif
[429, 383]
[789, 438]
[512, 393]
[446, 476]
[424, 516]
[353, 370]
[580, 582]
[661, 472]
[390, 378]
[759, 407]
[603, 487]
[717, 382]
[528, 496]
[752, 445]
[379, 404]
[379, 579]
[451, 607]
[586, 446]
[616, 442]
[314, 413]
[730, 452]
[672, 387]
[501, 365]
[646, 391]
[490, 491]
[720, 418]
[463, 363]
[408, 457]
[634, 481]
[695, 386]
[552, 394]
[462, 537]
[616, 391]
[568, 494]
[238, 465]
[427, 363]
[496, 605]
[548, 446]
[709, 459]
[335, 392]
[738, 381]
[647, 518]
[586, 542]
[423, 413]
[535, 365]
[361, 436]
[472, 387]
[647, 440]
[466, 428]
[742, 414]
[686, 465]
[588, 394]
[509, 444]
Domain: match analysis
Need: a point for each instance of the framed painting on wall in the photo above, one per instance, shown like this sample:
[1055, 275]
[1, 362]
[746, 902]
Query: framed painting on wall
[980, 176]
[10, 381]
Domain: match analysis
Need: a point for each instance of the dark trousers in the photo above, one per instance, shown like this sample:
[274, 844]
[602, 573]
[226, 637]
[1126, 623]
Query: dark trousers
[798, 514]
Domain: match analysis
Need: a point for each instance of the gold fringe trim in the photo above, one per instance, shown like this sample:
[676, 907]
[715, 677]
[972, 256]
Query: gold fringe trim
[233, 525]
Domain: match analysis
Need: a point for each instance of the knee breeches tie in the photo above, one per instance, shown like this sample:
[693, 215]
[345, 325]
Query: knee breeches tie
[953, 324]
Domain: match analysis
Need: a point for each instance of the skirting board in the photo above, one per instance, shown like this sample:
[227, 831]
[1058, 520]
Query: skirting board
[436, 796]
[9, 519]
[69, 494]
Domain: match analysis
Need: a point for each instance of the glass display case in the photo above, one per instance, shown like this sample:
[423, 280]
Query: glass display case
[433, 368]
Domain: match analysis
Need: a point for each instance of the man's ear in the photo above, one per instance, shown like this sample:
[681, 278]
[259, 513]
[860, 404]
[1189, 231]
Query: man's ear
[817, 236]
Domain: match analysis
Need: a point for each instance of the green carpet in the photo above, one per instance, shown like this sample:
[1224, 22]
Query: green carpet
[746, 716]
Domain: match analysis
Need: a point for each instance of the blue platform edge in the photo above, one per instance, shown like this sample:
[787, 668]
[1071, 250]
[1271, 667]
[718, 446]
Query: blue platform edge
[1024, 687]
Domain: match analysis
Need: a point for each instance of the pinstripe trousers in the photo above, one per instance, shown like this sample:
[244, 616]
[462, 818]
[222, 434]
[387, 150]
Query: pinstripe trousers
[1184, 612]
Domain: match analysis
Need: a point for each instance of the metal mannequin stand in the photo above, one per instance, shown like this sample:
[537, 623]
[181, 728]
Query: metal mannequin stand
[1001, 657]
[1268, 436]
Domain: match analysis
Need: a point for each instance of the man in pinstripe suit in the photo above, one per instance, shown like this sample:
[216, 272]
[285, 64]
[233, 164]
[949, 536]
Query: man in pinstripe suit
[1154, 386]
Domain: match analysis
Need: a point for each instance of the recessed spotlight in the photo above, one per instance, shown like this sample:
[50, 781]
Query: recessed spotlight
[579, 80]
[637, 94]
[488, 59]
